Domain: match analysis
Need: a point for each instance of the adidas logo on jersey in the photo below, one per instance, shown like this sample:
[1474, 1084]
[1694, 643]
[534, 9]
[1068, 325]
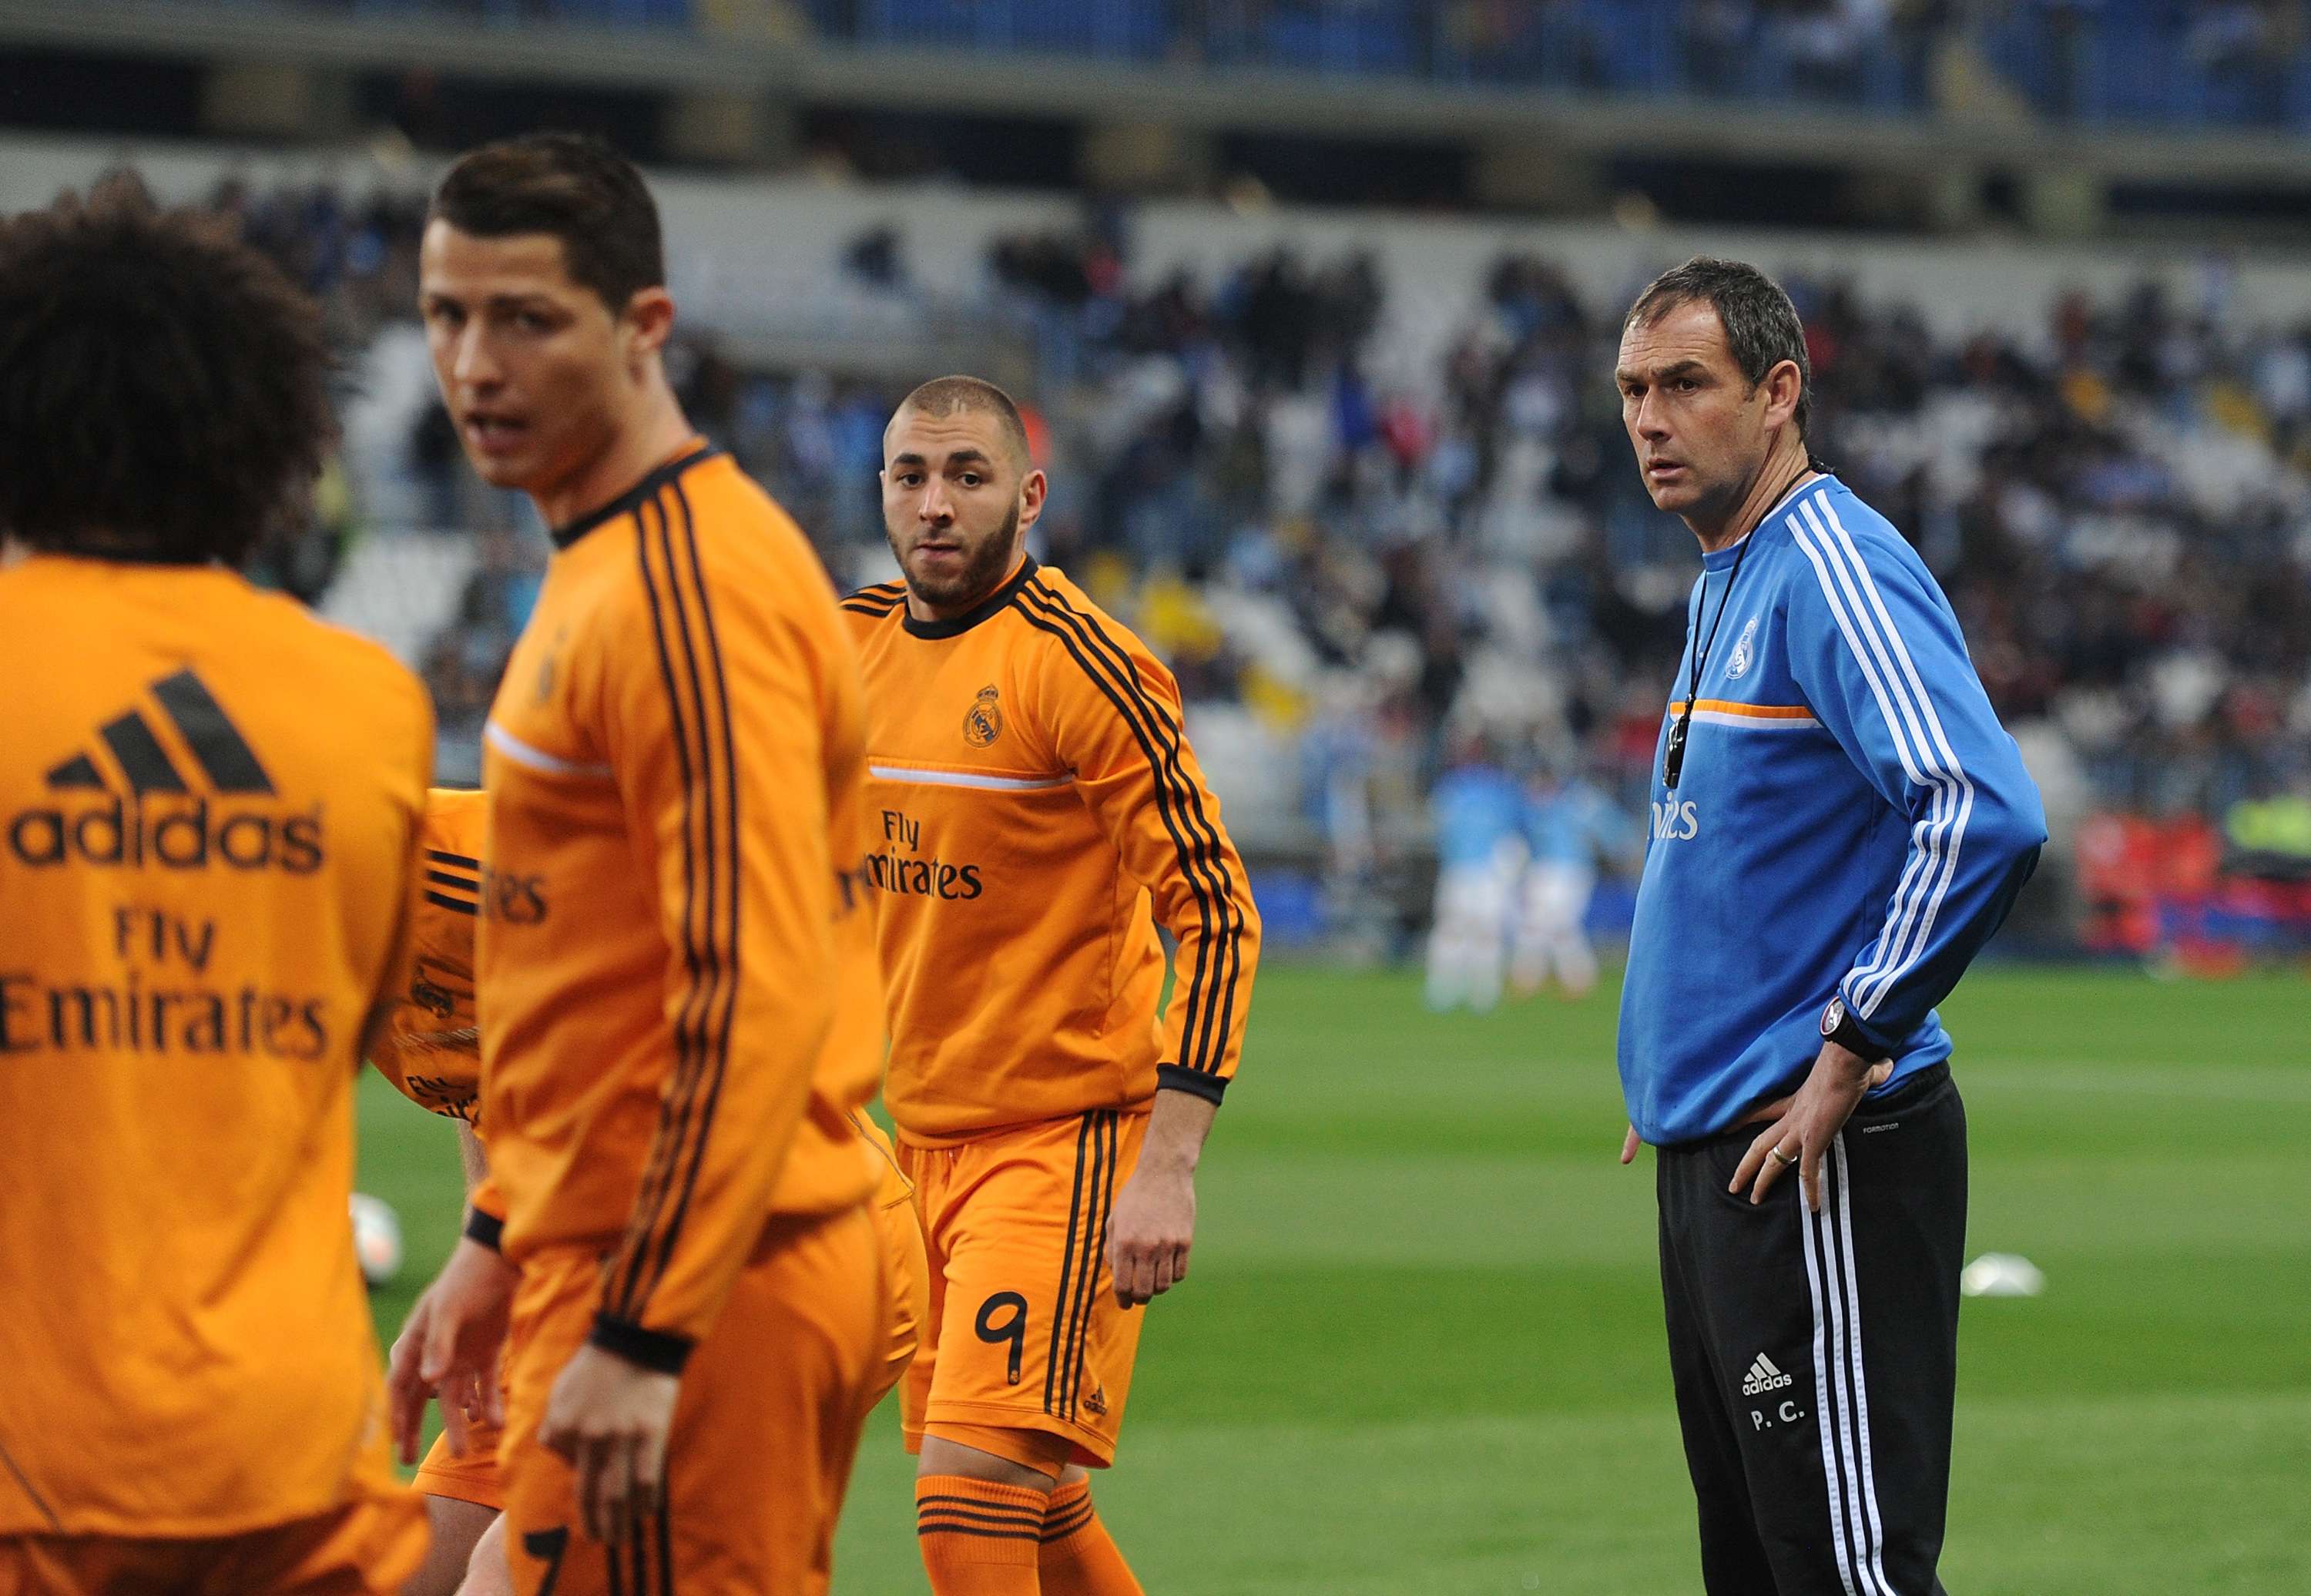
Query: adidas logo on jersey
[181, 829]
[1763, 1377]
[216, 745]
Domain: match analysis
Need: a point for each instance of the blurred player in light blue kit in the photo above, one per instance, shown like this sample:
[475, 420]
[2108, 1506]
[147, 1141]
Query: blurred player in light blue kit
[1478, 811]
[1568, 827]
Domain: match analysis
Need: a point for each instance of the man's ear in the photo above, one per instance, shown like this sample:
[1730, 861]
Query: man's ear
[1031, 493]
[1784, 385]
[649, 320]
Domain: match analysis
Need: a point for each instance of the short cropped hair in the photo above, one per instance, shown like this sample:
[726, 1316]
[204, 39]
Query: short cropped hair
[164, 388]
[950, 396]
[1761, 326]
[573, 186]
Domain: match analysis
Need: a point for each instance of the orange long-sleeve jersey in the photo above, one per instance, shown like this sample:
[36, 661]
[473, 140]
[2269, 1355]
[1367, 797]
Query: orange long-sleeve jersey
[208, 804]
[679, 999]
[429, 1046]
[1037, 812]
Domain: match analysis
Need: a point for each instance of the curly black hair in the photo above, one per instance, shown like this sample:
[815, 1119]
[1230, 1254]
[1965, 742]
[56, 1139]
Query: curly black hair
[164, 388]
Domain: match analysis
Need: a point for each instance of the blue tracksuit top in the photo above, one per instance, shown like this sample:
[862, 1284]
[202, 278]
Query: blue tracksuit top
[1852, 820]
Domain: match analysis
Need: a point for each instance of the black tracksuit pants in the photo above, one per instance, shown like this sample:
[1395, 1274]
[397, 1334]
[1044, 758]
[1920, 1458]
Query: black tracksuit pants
[1815, 1356]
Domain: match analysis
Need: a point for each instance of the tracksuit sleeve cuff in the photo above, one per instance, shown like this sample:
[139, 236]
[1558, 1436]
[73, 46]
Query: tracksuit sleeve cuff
[1881, 1045]
[485, 1227]
[655, 1350]
[1171, 1077]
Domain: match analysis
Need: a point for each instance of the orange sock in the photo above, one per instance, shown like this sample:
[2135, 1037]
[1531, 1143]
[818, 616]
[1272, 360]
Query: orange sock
[978, 1537]
[1079, 1559]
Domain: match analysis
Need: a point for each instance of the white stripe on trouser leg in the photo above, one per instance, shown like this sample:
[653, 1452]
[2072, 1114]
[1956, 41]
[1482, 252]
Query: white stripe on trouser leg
[1840, 1381]
[1854, 1351]
[1845, 1328]
[1832, 1472]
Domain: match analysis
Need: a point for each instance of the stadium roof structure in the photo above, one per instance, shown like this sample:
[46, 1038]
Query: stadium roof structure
[731, 96]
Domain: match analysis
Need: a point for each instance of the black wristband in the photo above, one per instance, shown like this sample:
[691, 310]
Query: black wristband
[1839, 1026]
[1195, 1083]
[655, 1350]
[486, 1228]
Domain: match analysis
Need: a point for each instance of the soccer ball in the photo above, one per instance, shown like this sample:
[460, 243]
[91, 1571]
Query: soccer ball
[377, 1239]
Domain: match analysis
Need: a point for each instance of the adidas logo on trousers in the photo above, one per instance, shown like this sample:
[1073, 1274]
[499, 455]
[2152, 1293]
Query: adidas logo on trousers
[1763, 1377]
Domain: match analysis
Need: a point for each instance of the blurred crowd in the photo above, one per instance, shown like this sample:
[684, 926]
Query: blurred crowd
[359, 262]
[1360, 558]
[2223, 61]
[2120, 509]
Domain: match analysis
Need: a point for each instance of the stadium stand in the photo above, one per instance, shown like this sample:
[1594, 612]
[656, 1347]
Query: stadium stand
[2220, 63]
[1366, 504]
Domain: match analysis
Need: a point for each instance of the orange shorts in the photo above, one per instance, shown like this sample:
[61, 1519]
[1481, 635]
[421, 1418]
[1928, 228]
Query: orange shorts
[906, 1280]
[764, 1433]
[1025, 1332]
[365, 1548]
[473, 1477]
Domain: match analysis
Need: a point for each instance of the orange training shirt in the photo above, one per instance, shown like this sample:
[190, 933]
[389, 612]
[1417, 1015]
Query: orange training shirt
[679, 1001]
[1036, 812]
[208, 805]
[430, 1045]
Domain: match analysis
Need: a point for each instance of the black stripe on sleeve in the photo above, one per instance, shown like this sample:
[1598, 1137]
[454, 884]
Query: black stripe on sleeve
[715, 727]
[456, 860]
[624, 1280]
[1147, 723]
[1221, 1015]
[453, 905]
[1202, 1035]
[451, 878]
[1067, 1268]
[1036, 615]
[880, 599]
[621, 1276]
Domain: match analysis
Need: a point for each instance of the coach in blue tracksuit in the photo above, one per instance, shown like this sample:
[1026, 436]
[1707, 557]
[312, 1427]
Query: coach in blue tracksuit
[1839, 824]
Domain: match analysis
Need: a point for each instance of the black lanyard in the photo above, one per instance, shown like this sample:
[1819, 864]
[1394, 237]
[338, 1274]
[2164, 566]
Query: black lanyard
[1674, 756]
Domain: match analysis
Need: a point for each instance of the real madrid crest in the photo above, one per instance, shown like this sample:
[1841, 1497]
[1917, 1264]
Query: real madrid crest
[982, 723]
[1745, 652]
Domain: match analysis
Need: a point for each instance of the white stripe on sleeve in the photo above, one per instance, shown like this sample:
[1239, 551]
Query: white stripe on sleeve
[1948, 760]
[1901, 913]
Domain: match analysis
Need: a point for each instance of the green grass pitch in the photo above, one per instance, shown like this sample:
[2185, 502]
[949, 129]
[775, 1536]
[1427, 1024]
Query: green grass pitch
[1421, 1348]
